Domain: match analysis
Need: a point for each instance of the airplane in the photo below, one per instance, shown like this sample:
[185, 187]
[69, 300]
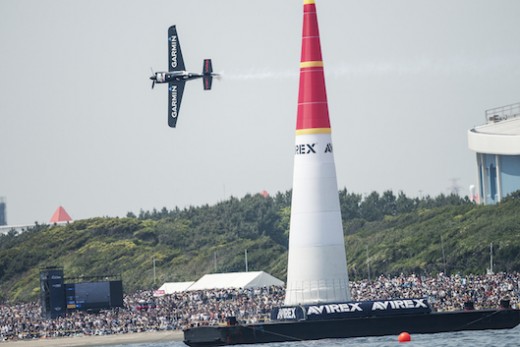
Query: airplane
[177, 76]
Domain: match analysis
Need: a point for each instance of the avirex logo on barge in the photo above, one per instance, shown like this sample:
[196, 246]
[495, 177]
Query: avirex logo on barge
[352, 309]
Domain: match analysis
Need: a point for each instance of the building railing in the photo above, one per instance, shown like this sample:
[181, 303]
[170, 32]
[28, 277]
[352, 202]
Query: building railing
[498, 114]
[5, 229]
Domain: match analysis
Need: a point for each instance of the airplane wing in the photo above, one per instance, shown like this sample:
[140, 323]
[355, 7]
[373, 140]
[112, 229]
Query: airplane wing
[175, 90]
[175, 61]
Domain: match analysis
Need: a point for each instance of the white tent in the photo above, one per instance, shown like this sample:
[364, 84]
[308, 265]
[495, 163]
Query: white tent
[173, 287]
[253, 279]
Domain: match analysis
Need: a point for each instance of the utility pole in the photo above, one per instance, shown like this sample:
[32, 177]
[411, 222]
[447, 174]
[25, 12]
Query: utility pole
[153, 260]
[491, 258]
[215, 261]
[368, 265]
[443, 256]
[246, 261]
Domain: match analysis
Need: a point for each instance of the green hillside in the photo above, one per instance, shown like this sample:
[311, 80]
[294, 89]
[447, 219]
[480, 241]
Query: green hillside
[389, 234]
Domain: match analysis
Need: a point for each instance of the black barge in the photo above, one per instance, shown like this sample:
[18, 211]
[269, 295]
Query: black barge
[353, 319]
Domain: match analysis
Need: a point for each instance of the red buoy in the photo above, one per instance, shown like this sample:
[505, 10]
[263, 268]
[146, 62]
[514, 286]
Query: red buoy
[404, 337]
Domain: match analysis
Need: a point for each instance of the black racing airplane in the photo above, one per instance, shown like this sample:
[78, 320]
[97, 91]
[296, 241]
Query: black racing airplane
[177, 76]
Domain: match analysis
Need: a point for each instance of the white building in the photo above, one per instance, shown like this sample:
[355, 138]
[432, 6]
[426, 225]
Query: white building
[497, 145]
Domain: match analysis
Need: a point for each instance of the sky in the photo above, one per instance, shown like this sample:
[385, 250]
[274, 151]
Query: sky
[81, 127]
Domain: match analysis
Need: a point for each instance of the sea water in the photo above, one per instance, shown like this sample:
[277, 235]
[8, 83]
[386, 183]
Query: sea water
[499, 338]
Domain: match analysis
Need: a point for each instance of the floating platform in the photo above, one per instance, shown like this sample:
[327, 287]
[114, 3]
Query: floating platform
[358, 323]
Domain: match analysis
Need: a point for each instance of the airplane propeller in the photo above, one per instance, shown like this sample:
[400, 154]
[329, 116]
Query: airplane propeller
[153, 78]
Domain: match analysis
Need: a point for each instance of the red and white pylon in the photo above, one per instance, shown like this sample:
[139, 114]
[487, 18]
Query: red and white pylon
[317, 267]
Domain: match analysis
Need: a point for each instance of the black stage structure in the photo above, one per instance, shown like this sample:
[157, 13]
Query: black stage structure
[86, 293]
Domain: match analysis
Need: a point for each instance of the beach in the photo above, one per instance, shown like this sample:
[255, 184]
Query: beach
[117, 339]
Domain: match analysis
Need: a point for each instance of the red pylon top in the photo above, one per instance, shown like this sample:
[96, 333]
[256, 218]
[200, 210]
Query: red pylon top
[313, 111]
[60, 215]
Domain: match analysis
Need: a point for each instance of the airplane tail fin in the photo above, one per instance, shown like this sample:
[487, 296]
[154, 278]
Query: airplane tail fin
[207, 71]
[207, 68]
[207, 80]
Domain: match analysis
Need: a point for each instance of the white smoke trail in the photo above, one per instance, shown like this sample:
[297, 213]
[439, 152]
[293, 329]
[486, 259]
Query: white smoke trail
[260, 74]
[421, 65]
[425, 65]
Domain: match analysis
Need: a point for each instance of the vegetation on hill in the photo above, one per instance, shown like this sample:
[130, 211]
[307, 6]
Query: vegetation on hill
[384, 234]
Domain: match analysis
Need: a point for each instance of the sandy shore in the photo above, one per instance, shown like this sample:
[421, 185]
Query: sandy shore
[119, 339]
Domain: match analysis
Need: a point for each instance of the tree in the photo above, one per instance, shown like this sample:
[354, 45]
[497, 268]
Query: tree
[349, 204]
[388, 203]
[370, 208]
[404, 204]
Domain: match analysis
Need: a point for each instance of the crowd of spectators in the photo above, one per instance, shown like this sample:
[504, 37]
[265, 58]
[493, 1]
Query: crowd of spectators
[143, 311]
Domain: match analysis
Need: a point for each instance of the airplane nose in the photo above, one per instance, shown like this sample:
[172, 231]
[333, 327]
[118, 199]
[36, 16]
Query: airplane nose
[153, 78]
